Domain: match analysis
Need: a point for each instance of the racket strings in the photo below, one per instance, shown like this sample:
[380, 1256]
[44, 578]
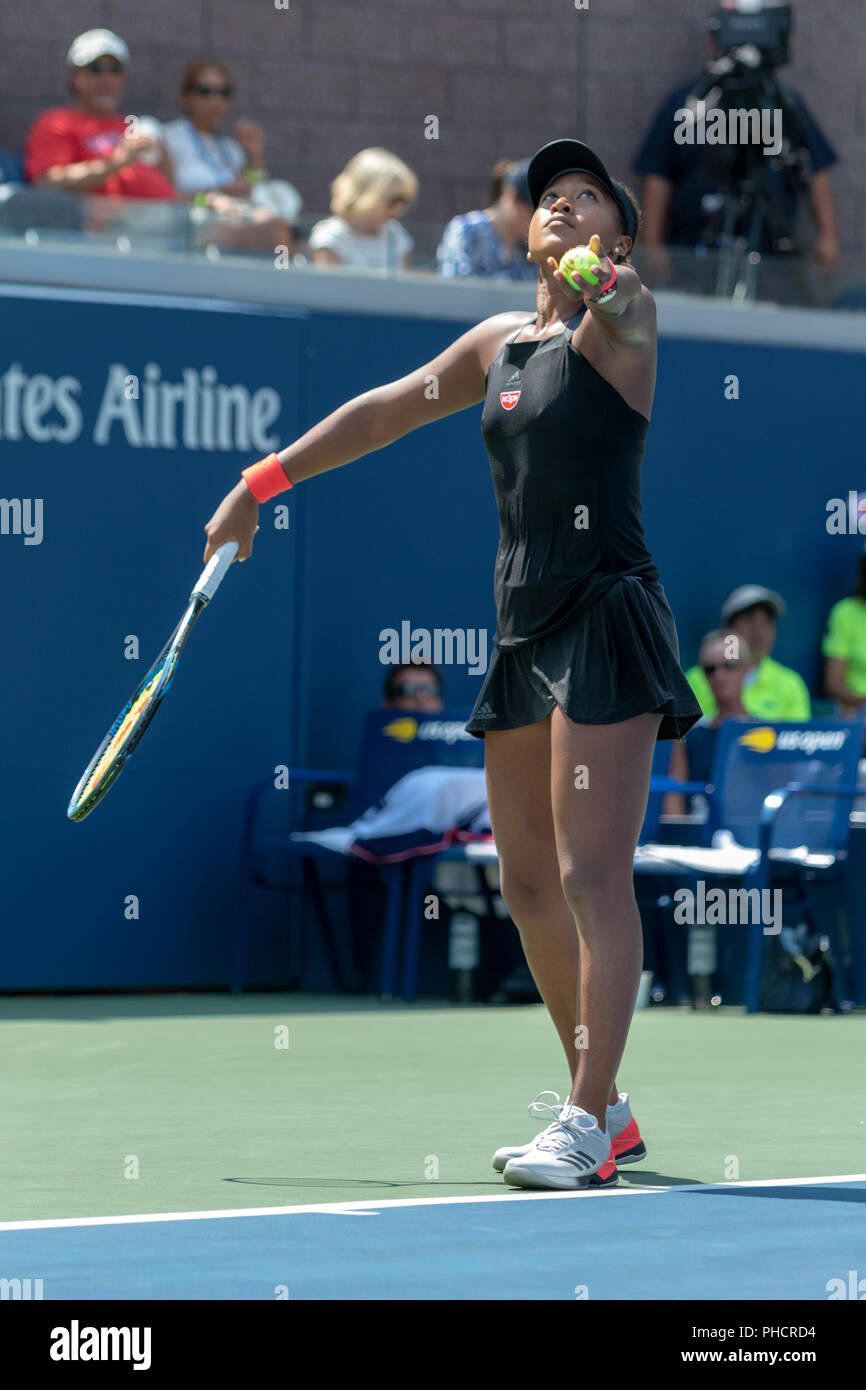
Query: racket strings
[123, 737]
[124, 727]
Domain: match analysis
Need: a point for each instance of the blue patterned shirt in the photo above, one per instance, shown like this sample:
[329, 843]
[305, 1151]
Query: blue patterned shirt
[471, 245]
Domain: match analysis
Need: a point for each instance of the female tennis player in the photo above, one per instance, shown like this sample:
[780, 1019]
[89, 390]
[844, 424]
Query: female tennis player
[585, 674]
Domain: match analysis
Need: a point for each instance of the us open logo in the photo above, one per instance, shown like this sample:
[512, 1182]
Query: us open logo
[508, 399]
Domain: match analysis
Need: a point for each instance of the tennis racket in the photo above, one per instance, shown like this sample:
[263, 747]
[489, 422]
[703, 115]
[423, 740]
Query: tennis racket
[128, 728]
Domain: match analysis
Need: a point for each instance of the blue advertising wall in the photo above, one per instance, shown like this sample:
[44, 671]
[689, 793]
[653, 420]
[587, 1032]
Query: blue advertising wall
[283, 666]
[122, 545]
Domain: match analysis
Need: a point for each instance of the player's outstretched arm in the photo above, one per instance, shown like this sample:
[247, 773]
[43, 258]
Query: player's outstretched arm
[452, 381]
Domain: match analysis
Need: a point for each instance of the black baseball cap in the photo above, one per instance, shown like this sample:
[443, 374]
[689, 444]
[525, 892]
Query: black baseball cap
[573, 157]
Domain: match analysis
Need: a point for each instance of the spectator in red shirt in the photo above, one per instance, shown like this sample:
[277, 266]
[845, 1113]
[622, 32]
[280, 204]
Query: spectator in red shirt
[87, 147]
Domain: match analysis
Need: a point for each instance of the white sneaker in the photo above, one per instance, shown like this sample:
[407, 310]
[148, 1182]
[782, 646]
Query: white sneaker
[628, 1146]
[502, 1156]
[573, 1152]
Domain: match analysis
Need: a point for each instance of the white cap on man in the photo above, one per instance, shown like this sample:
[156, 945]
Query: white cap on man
[96, 43]
[747, 596]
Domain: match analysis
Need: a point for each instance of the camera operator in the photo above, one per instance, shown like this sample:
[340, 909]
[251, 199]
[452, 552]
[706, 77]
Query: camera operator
[686, 183]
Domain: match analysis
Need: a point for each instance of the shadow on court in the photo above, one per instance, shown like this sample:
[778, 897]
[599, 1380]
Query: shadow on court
[824, 1193]
[648, 1177]
[431, 1188]
[377, 1183]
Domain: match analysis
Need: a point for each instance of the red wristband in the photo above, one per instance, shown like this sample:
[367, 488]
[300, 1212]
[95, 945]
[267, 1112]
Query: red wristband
[606, 288]
[265, 479]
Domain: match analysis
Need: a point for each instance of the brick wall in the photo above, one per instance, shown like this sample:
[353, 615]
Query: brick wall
[327, 77]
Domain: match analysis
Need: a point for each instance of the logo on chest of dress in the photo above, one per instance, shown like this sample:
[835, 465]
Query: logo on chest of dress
[508, 399]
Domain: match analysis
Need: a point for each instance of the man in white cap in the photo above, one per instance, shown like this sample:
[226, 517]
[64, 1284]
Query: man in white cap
[86, 147]
[770, 690]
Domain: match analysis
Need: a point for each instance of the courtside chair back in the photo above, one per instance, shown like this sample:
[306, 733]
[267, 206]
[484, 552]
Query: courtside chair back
[399, 742]
[393, 743]
[779, 787]
[752, 761]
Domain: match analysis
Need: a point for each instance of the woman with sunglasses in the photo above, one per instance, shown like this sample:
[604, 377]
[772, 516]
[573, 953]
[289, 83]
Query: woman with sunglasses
[585, 676]
[85, 147]
[225, 173]
[724, 658]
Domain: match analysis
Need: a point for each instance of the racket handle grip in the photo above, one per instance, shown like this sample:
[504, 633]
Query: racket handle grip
[212, 575]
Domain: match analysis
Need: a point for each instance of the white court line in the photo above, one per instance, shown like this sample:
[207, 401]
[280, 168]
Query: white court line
[349, 1207]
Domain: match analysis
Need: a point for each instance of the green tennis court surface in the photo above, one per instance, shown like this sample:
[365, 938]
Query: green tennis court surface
[114, 1105]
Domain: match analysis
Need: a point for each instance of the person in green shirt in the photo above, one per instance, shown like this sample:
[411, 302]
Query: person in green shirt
[770, 690]
[844, 646]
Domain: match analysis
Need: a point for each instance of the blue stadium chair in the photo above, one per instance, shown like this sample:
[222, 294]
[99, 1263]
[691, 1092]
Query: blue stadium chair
[258, 849]
[393, 743]
[784, 791]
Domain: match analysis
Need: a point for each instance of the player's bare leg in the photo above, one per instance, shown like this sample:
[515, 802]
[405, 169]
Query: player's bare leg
[596, 828]
[517, 763]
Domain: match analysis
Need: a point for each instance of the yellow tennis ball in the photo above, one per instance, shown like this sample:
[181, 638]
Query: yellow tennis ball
[579, 258]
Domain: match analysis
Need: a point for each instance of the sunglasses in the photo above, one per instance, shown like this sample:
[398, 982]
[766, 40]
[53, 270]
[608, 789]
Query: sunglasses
[721, 666]
[202, 91]
[417, 688]
[113, 69]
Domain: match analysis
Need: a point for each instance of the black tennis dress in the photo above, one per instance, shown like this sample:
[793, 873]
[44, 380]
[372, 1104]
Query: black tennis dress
[582, 619]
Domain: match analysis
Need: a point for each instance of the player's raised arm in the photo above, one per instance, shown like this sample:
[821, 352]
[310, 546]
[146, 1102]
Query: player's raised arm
[622, 308]
[450, 382]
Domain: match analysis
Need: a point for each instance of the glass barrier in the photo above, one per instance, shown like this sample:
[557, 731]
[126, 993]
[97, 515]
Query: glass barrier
[227, 228]
[747, 277]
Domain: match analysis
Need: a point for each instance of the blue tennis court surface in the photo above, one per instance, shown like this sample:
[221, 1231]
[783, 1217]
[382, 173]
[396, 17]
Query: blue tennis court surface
[764, 1240]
